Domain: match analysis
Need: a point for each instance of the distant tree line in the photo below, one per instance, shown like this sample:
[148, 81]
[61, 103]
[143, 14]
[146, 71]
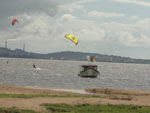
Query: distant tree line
[69, 55]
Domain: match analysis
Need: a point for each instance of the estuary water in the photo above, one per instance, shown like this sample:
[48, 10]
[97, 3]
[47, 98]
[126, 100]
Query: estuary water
[64, 74]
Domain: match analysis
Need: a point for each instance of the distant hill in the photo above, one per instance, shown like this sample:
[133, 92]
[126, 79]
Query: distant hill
[69, 55]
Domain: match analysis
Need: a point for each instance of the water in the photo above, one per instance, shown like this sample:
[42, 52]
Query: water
[64, 74]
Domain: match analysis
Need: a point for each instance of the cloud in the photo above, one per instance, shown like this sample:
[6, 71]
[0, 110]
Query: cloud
[14, 8]
[48, 32]
[44, 32]
[97, 14]
[144, 21]
[34, 17]
[75, 5]
[112, 34]
[133, 18]
[136, 2]
[67, 17]
[130, 35]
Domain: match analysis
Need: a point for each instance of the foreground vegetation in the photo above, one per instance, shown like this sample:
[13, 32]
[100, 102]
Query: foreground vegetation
[83, 108]
[14, 110]
[87, 108]
[26, 96]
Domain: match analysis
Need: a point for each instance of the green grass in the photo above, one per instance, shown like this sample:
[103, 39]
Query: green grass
[14, 110]
[26, 96]
[83, 108]
[86, 108]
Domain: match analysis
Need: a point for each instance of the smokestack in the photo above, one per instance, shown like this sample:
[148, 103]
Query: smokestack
[5, 44]
[23, 47]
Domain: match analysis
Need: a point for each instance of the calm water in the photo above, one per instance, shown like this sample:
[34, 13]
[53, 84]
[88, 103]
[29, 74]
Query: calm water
[63, 74]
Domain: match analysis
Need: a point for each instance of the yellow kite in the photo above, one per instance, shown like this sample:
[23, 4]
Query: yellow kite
[72, 38]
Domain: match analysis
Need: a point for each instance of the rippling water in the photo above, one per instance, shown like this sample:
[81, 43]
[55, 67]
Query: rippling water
[64, 74]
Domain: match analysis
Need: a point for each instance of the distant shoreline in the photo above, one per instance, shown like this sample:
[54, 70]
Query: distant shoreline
[70, 55]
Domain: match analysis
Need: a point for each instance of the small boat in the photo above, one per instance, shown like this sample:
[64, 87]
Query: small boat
[89, 71]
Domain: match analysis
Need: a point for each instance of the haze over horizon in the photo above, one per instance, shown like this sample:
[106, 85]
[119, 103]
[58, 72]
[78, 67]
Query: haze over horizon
[113, 27]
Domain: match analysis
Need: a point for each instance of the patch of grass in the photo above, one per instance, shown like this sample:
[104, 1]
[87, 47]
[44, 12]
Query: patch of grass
[14, 110]
[21, 96]
[60, 108]
[109, 91]
[87, 108]
[26, 96]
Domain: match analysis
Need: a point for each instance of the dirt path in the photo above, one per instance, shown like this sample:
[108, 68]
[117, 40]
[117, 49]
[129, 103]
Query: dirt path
[107, 96]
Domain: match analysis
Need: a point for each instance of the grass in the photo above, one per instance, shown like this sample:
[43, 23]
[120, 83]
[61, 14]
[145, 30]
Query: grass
[26, 96]
[87, 108]
[14, 110]
[83, 108]
[108, 91]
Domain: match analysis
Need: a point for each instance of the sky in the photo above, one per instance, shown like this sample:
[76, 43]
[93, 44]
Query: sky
[113, 27]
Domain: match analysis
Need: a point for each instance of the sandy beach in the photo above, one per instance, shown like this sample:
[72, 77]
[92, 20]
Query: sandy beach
[107, 96]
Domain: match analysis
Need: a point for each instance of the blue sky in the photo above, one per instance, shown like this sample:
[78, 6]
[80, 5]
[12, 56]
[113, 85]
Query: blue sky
[113, 27]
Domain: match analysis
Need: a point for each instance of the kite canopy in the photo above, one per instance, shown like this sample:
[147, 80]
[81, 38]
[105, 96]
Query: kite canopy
[92, 59]
[14, 21]
[72, 38]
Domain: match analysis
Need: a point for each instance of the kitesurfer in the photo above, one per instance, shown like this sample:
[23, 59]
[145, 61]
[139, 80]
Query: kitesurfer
[34, 66]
